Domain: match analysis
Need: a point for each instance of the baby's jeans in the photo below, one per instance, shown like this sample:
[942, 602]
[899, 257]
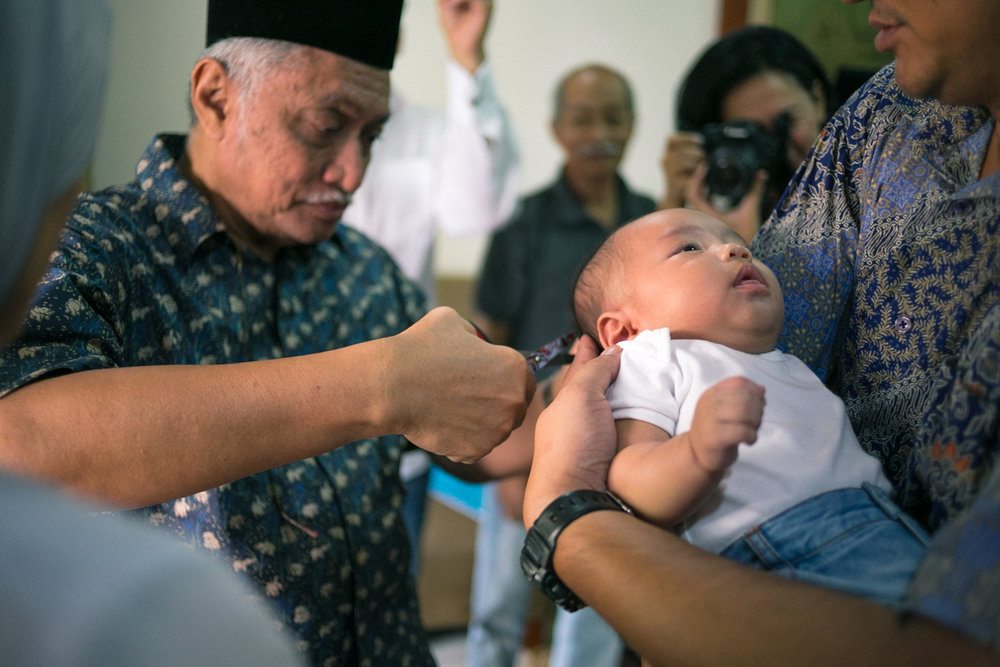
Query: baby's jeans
[853, 540]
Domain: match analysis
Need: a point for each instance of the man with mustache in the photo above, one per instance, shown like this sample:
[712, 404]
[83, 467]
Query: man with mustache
[210, 345]
[523, 297]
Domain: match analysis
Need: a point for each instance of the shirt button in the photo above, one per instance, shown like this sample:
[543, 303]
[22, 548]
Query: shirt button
[903, 324]
[962, 207]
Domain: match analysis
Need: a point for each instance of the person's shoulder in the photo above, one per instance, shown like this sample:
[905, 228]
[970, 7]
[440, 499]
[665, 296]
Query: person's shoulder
[154, 194]
[119, 211]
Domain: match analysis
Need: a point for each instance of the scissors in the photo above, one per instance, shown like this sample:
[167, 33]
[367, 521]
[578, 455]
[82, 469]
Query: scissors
[555, 352]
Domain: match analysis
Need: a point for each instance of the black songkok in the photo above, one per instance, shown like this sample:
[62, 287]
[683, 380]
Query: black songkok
[362, 30]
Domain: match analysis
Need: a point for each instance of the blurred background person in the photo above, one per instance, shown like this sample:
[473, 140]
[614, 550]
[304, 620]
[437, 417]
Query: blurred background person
[751, 104]
[453, 172]
[523, 300]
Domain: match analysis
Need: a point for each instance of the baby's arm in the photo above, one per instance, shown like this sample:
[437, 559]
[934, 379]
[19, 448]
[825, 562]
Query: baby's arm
[665, 479]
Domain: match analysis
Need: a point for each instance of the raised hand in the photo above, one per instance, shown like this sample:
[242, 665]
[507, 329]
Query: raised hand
[575, 436]
[682, 154]
[464, 23]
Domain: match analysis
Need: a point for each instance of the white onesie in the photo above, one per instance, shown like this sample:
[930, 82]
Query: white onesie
[805, 445]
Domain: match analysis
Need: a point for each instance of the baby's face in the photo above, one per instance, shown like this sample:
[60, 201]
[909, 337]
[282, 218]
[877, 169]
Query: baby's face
[690, 272]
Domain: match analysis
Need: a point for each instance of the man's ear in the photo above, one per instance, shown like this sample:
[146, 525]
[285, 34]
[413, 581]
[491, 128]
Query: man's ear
[613, 327]
[211, 93]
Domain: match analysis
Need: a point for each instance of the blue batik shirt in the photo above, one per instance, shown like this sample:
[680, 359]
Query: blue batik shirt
[146, 275]
[886, 245]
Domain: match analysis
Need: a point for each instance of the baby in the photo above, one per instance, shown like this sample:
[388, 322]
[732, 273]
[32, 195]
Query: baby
[783, 486]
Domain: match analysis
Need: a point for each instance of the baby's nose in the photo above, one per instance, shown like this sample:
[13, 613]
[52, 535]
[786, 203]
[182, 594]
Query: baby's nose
[735, 251]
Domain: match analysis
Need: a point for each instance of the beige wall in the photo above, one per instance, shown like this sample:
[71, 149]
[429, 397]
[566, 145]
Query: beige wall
[531, 44]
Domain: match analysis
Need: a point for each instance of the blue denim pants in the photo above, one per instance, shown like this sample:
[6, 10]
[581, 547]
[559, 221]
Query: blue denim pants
[852, 540]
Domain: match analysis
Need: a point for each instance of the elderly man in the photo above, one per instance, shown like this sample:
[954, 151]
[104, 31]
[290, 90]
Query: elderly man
[886, 244]
[209, 345]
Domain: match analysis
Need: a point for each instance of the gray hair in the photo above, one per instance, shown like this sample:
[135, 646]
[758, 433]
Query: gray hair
[249, 61]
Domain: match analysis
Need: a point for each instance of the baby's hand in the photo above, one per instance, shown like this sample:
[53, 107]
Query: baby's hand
[727, 414]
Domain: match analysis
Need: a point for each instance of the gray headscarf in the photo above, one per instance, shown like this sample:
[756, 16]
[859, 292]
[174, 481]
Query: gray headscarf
[53, 62]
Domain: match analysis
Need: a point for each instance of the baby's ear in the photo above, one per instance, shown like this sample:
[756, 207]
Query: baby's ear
[613, 327]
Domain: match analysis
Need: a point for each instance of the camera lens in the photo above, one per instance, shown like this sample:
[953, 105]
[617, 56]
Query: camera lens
[726, 176]
[730, 173]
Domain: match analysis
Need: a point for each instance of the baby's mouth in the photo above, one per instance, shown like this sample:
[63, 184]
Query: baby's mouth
[748, 276]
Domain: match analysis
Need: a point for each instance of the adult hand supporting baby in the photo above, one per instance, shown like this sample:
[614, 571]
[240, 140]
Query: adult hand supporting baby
[575, 436]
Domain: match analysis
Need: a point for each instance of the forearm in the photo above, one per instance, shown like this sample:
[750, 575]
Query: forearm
[138, 436]
[661, 480]
[676, 604]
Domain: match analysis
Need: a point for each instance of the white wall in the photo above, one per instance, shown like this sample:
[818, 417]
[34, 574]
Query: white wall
[531, 44]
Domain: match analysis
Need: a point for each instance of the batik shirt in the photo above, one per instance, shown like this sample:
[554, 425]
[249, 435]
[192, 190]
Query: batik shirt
[886, 245]
[146, 275]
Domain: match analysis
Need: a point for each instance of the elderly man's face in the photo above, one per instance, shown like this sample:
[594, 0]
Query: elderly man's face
[595, 123]
[300, 146]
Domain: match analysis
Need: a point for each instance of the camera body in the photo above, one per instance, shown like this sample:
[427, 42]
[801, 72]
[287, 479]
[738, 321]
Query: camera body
[735, 152]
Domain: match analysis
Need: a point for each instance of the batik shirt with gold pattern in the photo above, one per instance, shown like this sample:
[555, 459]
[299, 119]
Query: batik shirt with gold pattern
[887, 246]
[146, 275]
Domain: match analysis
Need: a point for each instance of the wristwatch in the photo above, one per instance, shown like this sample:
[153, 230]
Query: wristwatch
[540, 542]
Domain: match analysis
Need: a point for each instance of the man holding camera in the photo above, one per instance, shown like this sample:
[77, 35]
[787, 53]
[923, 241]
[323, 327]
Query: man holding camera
[523, 297]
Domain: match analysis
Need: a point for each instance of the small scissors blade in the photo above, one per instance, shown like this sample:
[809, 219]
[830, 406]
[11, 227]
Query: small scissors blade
[554, 352]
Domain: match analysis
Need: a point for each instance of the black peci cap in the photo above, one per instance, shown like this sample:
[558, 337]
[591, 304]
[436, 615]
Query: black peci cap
[362, 30]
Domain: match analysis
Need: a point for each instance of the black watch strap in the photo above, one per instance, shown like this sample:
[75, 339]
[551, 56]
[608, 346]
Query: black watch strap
[540, 542]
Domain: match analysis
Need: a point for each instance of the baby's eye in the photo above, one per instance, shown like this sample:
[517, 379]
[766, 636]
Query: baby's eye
[685, 247]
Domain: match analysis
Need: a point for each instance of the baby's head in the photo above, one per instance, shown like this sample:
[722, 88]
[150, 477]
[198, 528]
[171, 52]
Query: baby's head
[681, 269]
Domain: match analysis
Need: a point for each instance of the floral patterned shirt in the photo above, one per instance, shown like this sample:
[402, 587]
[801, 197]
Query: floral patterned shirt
[145, 275]
[886, 244]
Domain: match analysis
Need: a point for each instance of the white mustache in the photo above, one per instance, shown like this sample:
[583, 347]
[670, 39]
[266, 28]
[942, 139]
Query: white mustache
[338, 197]
[600, 149]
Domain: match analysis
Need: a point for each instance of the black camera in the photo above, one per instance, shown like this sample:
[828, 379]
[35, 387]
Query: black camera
[735, 152]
